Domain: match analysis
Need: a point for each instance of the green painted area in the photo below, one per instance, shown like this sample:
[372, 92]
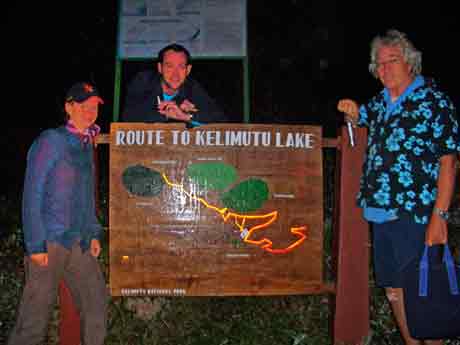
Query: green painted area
[142, 181]
[247, 196]
[212, 176]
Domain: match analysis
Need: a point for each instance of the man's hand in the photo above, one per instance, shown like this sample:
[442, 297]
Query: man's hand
[172, 111]
[95, 248]
[41, 259]
[188, 107]
[436, 232]
[351, 110]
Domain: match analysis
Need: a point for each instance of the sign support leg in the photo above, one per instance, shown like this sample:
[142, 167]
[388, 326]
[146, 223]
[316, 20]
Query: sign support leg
[351, 243]
[69, 326]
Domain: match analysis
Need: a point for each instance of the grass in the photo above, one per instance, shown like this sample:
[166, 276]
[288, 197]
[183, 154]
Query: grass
[216, 321]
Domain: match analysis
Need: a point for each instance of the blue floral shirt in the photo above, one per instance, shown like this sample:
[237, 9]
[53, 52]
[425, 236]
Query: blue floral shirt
[405, 141]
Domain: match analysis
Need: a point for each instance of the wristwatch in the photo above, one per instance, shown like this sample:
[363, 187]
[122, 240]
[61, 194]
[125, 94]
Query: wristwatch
[441, 213]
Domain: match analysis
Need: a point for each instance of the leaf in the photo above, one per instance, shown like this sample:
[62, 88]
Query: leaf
[212, 176]
[142, 181]
[247, 196]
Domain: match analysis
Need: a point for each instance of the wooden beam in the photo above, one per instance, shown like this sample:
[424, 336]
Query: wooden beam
[351, 315]
[69, 326]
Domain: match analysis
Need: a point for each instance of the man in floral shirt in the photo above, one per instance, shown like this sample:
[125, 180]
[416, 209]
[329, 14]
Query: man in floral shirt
[409, 173]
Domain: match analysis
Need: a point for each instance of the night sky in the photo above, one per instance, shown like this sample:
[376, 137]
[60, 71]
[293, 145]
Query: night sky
[304, 56]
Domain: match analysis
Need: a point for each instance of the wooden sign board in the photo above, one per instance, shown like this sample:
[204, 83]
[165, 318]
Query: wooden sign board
[229, 209]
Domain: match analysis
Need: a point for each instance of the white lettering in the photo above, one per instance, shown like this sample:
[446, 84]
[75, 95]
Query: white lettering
[266, 138]
[235, 138]
[149, 137]
[299, 140]
[130, 137]
[246, 139]
[175, 137]
[290, 140]
[185, 138]
[159, 137]
[120, 138]
[199, 138]
[218, 139]
[278, 140]
[210, 138]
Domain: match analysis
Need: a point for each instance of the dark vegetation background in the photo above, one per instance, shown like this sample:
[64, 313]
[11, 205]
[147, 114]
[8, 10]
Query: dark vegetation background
[304, 56]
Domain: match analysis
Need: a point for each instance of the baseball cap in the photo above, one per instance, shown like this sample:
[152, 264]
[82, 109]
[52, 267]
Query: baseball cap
[81, 91]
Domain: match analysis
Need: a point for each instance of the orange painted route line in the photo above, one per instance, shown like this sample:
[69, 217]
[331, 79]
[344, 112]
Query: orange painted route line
[240, 222]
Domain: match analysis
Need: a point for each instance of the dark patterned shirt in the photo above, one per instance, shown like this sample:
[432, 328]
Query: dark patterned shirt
[405, 142]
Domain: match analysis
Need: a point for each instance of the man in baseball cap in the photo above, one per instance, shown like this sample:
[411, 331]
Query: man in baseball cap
[61, 231]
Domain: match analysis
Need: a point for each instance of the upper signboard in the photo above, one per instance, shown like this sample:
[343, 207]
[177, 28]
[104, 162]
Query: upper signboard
[207, 28]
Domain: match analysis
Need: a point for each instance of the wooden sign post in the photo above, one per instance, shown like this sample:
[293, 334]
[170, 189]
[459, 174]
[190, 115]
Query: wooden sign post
[351, 243]
[229, 210]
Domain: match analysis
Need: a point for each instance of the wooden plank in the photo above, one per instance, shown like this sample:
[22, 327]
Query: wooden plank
[331, 142]
[174, 233]
[103, 139]
[351, 314]
[69, 325]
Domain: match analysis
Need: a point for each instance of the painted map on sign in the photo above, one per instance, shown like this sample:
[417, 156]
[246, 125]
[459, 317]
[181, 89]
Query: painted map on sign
[217, 210]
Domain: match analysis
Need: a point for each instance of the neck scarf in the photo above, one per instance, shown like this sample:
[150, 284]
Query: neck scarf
[88, 135]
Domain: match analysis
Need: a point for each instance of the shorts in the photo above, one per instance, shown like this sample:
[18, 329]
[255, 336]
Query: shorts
[395, 244]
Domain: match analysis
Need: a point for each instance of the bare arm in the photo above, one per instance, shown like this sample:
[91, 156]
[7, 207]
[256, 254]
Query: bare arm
[436, 232]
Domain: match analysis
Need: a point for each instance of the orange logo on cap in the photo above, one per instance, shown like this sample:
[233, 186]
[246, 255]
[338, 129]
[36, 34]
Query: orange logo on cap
[88, 88]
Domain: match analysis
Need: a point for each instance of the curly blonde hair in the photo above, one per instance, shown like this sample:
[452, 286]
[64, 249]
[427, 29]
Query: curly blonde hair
[393, 38]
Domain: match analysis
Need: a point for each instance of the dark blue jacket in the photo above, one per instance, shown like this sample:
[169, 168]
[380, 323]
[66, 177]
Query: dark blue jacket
[141, 100]
[58, 201]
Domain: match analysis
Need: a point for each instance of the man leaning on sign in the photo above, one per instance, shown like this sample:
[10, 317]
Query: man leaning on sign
[170, 94]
